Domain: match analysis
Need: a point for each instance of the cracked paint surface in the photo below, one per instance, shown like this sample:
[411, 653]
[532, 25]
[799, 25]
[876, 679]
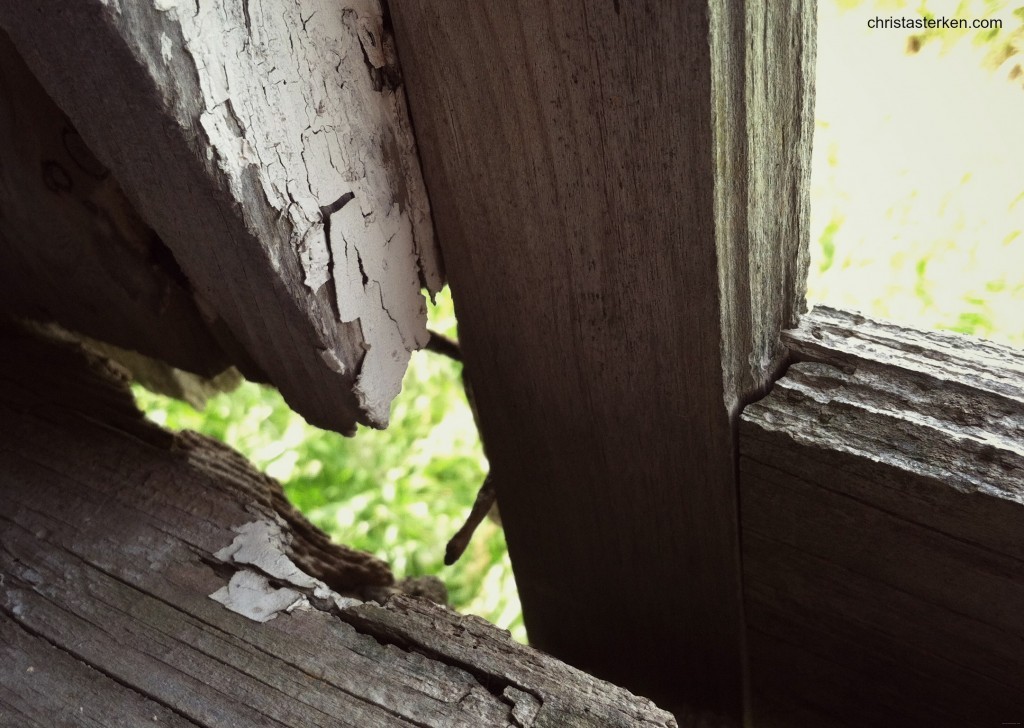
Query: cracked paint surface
[260, 548]
[299, 90]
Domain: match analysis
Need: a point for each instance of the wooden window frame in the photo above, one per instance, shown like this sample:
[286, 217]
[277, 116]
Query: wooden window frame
[620, 191]
[882, 502]
[517, 112]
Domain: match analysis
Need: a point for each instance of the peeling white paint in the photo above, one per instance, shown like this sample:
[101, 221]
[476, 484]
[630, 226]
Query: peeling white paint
[288, 91]
[166, 48]
[315, 257]
[356, 233]
[251, 595]
[369, 20]
[261, 545]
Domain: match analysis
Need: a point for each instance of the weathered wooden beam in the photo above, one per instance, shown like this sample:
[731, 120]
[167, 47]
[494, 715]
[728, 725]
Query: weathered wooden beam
[883, 514]
[72, 248]
[620, 191]
[267, 144]
[114, 535]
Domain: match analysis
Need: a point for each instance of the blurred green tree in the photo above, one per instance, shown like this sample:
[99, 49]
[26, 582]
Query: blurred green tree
[399, 493]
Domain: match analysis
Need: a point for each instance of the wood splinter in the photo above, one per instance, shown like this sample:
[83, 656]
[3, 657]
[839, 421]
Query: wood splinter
[485, 500]
[487, 496]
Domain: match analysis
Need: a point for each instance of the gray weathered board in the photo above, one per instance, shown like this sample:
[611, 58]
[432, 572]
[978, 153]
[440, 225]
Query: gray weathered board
[620, 193]
[882, 502]
[268, 145]
[109, 530]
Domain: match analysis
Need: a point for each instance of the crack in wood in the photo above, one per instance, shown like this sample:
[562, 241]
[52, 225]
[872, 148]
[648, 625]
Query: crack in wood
[325, 215]
[497, 685]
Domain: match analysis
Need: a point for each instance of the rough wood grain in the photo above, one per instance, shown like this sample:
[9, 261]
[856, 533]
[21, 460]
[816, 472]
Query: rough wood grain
[883, 512]
[267, 143]
[112, 537]
[73, 249]
[623, 245]
[762, 88]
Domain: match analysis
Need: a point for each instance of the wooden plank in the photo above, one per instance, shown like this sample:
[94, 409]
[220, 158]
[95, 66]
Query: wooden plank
[73, 249]
[623, 248]
[415, 625]
[113, 535]
[846, 338]
[835, 702]
[883, 506]
[267, 144]
[43, 682]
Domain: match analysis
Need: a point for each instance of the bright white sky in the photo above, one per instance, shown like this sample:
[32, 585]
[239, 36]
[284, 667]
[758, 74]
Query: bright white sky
[917, 157]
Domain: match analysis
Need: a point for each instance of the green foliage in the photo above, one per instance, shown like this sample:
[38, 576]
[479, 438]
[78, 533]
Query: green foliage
[399, 493]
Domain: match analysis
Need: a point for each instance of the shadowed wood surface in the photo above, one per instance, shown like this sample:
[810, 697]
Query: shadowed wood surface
[883, 513]
[72, 247]
[623, 247]
[112, 541]
[268, 145]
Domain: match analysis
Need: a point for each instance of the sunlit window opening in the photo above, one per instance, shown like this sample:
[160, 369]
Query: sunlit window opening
[400, 493]
[917, 203]
[917, 216]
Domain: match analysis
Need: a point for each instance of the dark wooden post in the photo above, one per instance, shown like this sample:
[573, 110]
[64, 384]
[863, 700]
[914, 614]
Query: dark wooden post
[620, 191]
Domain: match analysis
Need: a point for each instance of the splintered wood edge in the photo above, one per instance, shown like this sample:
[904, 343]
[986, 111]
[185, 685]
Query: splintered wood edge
[564, 695]
[847, 338]
[115, 536]
[270, 147]
[940, 406]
